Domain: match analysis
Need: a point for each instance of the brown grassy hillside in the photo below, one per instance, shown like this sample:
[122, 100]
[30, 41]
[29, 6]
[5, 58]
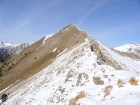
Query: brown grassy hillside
[38, 55]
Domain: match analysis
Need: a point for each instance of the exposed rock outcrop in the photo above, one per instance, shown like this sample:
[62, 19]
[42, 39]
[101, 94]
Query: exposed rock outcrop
[102, 56]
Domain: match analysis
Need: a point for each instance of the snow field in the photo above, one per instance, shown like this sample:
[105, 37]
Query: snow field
[72, 72]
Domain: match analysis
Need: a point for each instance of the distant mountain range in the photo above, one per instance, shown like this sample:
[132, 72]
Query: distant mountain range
[133, 48]
[71, 68]
[7, 49]
[130, 50]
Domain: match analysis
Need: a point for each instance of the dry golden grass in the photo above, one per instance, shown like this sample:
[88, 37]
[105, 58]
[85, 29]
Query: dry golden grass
[107, 90]
[79, 96]
[120, 83]
[72, 101]
[86, 76]
[133, 81]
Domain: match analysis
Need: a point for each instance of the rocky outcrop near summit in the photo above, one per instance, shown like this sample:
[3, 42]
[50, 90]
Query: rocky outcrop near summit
[103, 56]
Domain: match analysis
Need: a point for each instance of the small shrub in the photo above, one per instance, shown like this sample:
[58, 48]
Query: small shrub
[79, 96]
[120, 83]
[107, 90]
[4, 97]
[72, 101]
[91, 47]
[133, 81]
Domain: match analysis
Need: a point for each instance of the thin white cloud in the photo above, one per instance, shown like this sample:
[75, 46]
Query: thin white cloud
[93, 9]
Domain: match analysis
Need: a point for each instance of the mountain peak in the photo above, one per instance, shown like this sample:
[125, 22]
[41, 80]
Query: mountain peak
[128, 47]
[71, 26]
[130, 50]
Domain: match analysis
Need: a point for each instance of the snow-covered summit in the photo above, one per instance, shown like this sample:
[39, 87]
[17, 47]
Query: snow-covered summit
[7, 49]
[5, 44]
[128, 47]
[130, 50]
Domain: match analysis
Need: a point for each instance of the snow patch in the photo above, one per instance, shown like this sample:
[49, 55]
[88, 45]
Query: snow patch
[46, 37]
[72, 72]
[5, 44]
[54, 49]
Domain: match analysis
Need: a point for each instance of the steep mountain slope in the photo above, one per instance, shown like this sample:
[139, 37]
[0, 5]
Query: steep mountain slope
[40, 54]
[71, 68]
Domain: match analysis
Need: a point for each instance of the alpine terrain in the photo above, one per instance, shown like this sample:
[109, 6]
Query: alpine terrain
[7, 49]
[69, 67]
[130, 50]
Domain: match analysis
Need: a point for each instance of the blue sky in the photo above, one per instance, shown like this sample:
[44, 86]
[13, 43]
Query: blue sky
[112, 22]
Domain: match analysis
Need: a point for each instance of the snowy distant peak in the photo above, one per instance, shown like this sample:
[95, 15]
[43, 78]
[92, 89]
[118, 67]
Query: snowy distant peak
[8, 49]
[5, 44]
[129, 48]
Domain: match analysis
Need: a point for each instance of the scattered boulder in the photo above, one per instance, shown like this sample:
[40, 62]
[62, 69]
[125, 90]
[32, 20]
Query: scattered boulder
[4, 97]
[98, 81]
[105, 76]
